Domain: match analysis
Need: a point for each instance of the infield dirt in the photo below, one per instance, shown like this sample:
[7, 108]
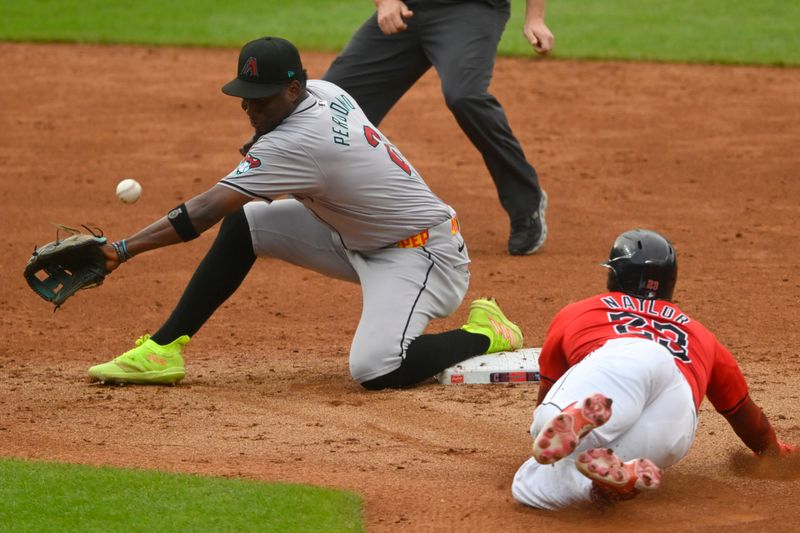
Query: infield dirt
[708, 155]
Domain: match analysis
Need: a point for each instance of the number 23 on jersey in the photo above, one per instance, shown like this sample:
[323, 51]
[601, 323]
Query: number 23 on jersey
[667, 334]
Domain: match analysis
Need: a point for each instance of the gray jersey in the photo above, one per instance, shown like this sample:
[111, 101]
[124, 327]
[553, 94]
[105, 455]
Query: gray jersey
[328, 156]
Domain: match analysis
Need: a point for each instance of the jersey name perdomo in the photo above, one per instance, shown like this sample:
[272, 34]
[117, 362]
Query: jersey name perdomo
[340, 108]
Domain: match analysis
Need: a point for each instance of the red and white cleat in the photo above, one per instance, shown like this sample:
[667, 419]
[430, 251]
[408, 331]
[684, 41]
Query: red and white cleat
[615, 480]
[560, 436]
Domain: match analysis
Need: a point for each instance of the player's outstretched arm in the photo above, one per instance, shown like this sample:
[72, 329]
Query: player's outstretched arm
[534, 28]
[754, 428]
[204, 211]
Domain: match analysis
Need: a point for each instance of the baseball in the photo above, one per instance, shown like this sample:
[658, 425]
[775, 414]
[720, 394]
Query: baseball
[128, 191]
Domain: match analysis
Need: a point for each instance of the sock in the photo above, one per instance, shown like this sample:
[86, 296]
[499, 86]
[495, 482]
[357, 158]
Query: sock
[217, 277]
[427, 355]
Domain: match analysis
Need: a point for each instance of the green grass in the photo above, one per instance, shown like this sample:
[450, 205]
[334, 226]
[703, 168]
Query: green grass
[715, 31]
[37, 496]
[311, 24]
[709, 31]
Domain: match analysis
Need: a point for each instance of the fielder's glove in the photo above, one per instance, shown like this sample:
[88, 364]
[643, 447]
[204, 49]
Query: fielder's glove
[59, 269]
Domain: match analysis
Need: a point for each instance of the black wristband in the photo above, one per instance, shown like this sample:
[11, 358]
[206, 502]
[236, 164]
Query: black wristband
[179, 218]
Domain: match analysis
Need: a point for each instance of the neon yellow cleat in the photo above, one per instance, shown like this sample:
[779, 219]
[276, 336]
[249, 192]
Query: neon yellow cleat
[148, 363]
[486, 318]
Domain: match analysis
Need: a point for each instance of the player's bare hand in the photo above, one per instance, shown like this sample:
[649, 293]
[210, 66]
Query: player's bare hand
[112, 260]
[392, 15]
[539, 35]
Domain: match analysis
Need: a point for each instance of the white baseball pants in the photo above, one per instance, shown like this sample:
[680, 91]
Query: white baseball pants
[653, 416]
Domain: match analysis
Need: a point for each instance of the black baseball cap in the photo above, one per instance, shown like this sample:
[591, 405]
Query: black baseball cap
[266, 66]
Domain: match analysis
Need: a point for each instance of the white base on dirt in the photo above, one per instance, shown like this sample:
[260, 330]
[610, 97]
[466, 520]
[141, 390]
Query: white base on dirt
[521, 366]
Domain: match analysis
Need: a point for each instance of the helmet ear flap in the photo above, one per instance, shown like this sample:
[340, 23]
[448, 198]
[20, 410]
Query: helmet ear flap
[612, 284]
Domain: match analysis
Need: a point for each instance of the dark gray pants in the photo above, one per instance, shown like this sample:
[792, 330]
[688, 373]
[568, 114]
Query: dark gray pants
[460, 40]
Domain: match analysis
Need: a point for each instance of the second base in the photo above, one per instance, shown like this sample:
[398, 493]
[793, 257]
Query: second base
[521, 366]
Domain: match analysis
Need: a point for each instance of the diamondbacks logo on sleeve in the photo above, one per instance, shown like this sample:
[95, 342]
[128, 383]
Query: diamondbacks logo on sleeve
[247, 163]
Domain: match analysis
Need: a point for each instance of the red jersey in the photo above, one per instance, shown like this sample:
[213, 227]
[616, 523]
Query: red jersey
[582, 327]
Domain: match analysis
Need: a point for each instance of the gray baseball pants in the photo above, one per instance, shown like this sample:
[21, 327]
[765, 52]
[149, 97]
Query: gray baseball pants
[402, 288]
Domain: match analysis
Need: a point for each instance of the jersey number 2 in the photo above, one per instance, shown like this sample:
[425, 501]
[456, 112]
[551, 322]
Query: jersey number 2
[374, 139]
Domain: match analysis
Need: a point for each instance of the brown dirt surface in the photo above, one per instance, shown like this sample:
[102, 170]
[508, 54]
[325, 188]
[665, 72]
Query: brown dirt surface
[706, 154]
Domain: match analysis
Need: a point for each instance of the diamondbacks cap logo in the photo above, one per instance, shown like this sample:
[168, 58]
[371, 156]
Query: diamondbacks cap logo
[652, 285]
[247, 163]
[250, 68]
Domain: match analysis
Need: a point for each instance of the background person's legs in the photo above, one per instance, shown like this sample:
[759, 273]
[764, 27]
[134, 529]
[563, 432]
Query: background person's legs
[461, 39]
[377, 69]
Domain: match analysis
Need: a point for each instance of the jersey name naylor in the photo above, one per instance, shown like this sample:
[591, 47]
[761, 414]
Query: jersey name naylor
[646, 306]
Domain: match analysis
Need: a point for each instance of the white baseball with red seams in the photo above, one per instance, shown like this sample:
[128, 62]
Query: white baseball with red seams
[128, 191]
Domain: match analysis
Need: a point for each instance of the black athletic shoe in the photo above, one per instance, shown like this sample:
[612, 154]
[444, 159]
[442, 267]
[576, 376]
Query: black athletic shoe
[529, 233]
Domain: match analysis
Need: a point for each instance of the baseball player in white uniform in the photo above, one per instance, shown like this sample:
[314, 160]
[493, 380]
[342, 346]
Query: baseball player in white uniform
[352, 208]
